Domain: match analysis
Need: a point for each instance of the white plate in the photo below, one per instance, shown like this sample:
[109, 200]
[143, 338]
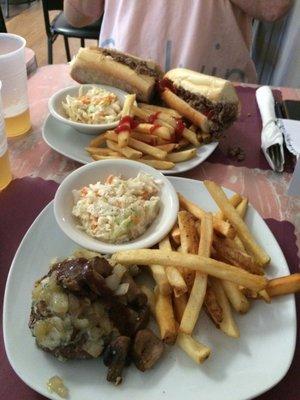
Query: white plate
[67, 141]
[238, 369]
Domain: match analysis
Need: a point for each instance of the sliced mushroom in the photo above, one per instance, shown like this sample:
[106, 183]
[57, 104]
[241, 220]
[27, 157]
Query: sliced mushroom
[146, 350]
[115, 358]
[134, 295]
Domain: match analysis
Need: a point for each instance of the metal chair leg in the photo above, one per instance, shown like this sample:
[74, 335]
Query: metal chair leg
[7, 9]
[50, 51]
[67, 48]
[82, 43]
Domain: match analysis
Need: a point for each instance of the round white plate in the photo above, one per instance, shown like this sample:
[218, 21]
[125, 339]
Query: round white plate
[67, 141]
[238, 369]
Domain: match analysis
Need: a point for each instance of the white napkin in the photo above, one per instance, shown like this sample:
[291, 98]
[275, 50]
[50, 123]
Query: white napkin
[271, 135]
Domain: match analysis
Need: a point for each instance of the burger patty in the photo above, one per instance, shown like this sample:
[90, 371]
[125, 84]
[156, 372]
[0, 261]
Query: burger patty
[220, 114]
[139, 66]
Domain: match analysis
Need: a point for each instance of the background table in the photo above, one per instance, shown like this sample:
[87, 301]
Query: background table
[31, 157]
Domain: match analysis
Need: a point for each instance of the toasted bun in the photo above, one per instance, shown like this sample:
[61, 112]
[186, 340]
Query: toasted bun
[209, 102]
[213, 88]
[92, 66]
[184, 109]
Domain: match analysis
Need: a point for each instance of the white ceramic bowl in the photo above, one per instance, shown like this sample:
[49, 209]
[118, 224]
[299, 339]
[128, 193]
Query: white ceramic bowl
[99, 171]
[56, 108]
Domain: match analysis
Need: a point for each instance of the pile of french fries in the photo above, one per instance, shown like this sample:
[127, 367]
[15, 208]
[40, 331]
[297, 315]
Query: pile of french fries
[158, 137]
[208, 262]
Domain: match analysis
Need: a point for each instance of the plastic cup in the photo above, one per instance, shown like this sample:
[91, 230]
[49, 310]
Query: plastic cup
[14, 84]
[5, 173]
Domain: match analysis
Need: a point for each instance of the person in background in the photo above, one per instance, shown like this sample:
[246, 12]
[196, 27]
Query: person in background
[212, 37]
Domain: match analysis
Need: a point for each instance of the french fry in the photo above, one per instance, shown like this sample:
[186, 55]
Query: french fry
[227, 250]
[195, 350]
[212, 306]
[97, 141]
[241, 210]
[191, 137]
[197, 295]
[242, 207]
[227, 325]
[126, 151]
[128, 104]
[175, 234]
[150, 297]
[220, 226]
[174, 276]
[176, 281]
[194, 262]
[181, 156]
[153, 109]
[236, 298]
[141, 113]
[188, 232]
[158, 164]
[181, 144]
[102, 151]
[123, 138]
[111, 135]
[237, 222]
[145, 137]
[147, 149]
[165, 317]
[234, 200]
[160, 131]
[167, 147]
[160, 277]
[204, 137]
[98, 157]
[179, 306]
[284, 285]
[189, 241]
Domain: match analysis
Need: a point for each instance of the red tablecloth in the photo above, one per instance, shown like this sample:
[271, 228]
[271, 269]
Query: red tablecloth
[20, 204]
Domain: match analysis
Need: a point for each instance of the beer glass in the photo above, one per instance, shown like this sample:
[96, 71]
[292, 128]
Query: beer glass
[14, 84]
[5, 174]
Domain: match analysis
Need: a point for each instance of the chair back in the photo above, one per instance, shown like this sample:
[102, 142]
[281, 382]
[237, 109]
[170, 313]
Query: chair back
[2, 22]
[49, 5]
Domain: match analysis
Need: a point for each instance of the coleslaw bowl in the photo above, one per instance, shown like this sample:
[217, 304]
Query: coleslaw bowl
[99, 171]
[57, 111]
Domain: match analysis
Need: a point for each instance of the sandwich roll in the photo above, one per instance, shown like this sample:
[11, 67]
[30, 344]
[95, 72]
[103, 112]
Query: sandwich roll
[209, 102]
[110, 67]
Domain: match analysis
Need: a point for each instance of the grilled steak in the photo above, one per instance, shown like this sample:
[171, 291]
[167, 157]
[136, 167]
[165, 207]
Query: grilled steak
[139, 66]
[221, 115]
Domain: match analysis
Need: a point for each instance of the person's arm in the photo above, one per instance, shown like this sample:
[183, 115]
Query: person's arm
[265, 10]
[82, 12]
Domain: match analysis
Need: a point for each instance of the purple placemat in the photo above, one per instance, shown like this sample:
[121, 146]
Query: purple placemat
[21, 203]
[246, 133]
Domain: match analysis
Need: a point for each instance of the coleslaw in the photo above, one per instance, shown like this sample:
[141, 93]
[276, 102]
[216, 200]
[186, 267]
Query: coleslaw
[96, 106]
[118, 210]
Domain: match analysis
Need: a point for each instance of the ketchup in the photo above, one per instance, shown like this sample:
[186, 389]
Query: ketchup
[166, 83]
[152, 129]
[180, 126]
[153, 117]
[127, 123]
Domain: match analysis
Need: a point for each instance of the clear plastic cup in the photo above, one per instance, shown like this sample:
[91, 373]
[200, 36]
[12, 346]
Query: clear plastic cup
[14, 84]
[5, 173]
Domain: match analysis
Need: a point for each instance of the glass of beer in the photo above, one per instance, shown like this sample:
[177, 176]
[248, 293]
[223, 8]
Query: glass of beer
[5, 173]
[14, 84]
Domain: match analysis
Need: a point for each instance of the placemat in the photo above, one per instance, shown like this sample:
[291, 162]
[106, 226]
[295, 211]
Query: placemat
[20, 204]
[246, 134]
